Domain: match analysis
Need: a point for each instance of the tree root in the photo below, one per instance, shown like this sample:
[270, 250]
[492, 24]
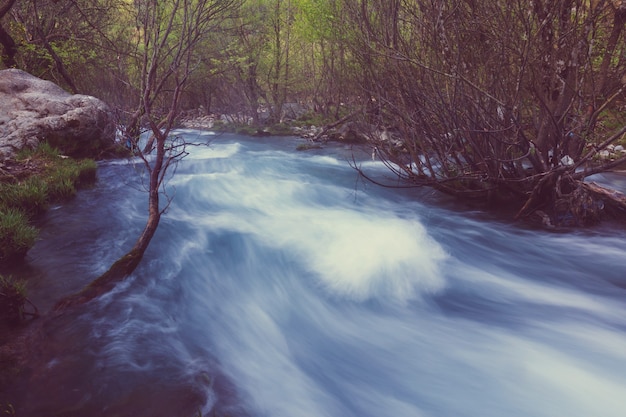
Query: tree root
[614, 201]
[559, 200]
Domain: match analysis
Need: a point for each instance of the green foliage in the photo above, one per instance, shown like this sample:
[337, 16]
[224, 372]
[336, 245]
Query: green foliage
[13, 297]
[280, 129]
[317, 19]
[45, 150]
[62, 187]
[78, 172]
[611, 119]
[55, 179]
[87, 169]
[58, 180]
[17, 236]
[308, 146]
[29, 196]
[312, 119]
[67, 175]
[246, 130]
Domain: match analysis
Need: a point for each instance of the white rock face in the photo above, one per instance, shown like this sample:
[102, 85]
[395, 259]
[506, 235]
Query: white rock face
[33, 110]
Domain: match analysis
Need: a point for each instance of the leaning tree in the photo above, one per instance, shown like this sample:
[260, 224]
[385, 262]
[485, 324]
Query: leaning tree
[168, 36]
[496, 99]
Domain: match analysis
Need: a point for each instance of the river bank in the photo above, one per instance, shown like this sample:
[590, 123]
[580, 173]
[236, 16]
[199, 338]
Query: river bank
[30, 185]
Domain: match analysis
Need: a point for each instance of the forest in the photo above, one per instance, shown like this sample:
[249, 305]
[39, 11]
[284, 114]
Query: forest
[492, 100]
[508, 104]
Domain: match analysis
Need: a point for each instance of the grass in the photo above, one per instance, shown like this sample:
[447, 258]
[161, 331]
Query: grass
[13, 297]
[28, 196]
[17, 236]
[308, 146]
[49, 178]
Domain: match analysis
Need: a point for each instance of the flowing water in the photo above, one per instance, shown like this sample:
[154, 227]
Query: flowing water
[280, 285]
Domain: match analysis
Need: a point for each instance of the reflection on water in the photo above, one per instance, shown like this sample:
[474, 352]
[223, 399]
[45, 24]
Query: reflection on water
[280, 285]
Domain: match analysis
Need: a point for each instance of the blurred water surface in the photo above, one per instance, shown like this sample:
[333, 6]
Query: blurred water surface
[280, 285]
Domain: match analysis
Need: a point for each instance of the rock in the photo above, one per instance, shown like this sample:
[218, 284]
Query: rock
[206, 122]
[33, 110]
[348, 133]
[567, 161]
[293, 111]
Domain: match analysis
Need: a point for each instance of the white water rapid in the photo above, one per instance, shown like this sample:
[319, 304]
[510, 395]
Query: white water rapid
[279, 285]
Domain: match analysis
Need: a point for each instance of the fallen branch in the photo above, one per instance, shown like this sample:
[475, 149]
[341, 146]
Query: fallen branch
[613, 198]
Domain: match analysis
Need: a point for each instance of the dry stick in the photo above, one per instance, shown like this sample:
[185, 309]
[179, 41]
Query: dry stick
[34, 314]
[535, 194]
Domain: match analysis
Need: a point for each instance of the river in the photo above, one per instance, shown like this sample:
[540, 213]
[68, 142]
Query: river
[280, 285]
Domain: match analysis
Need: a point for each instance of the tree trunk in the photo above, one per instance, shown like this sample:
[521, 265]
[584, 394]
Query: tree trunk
[619, 20]
[121, 269]
[124, 266]
[10, 49]
[55, 57]
[7, 42]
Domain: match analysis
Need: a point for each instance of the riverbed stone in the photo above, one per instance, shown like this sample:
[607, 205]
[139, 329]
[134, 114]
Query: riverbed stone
[33, 110]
